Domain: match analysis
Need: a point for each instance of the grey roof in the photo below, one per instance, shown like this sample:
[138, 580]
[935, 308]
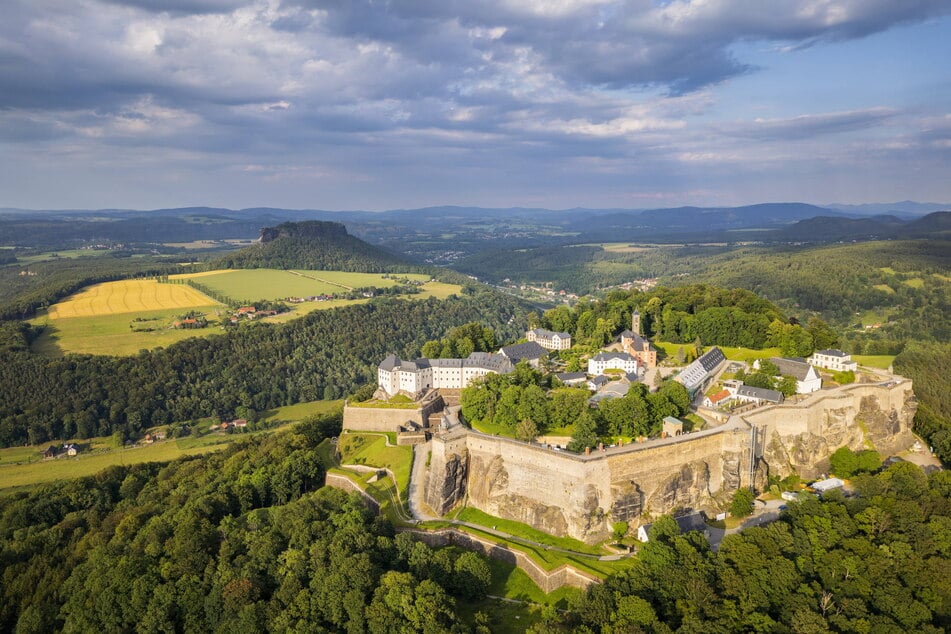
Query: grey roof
[760, 393]
[627, 334]
[686, 523]
[832, 353]
[673, 420]
[489, 361]
[711, 359]
[600, 380]
[632, 376]
[519, 351]
[792, 367]
[571, 376]
[548, 334]
[607, 356]
[446, 363]
[390, 363]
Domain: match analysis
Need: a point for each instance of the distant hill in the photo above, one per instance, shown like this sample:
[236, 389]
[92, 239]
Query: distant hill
[833, 229]
[312, 244]
[901, 209]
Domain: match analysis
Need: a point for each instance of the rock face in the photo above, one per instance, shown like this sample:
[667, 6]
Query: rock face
[800, 438]
[448, 476]
[580, 496]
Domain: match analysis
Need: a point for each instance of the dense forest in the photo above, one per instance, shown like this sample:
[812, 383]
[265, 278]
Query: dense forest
[312, 244]
[876, 562]
[929, 366]
[685, 314]
[325, 354]
[248, 540]
[245, 540]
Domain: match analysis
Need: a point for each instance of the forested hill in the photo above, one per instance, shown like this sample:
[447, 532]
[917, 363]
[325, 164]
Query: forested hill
[312, 244]
[325, 354]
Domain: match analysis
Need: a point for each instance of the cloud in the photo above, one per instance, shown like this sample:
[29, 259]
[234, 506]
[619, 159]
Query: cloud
[813, 125]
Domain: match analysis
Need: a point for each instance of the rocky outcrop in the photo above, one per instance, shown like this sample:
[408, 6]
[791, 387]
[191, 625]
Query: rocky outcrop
[446, 484]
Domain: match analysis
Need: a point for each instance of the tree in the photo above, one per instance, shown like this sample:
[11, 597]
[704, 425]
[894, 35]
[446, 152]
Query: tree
[585, 433]
[619, 530]
[472, 576]
[787, 385]
[526, 430]
[742, 503]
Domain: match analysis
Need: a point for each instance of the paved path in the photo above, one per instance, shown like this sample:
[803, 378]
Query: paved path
[417, 479]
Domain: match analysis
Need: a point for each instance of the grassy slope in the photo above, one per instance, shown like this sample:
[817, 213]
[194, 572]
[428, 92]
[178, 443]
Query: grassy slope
[23, 466]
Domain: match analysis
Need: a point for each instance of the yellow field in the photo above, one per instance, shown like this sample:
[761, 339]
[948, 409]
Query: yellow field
[128, 296]
[188, 276]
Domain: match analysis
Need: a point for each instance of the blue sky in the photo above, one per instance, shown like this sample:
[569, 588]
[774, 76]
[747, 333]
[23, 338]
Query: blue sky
[553, 103]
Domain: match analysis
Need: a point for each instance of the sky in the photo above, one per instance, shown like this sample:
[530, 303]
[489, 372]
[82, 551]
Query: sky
[363, 104]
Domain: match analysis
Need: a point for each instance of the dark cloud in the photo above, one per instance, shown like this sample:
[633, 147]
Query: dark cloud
[813, 125]
[188, 7]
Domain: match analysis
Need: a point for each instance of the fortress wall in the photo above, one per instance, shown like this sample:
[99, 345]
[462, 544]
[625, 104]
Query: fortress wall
[548, 581]
[558, 493]
[682, 475]
[801, 437]
[379, 418]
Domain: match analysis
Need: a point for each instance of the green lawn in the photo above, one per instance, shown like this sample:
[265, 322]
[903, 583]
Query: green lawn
[512, 583]
[518, 529]
[116, 335]
[881, 361]
[734, 354]
[494, 429]
[370, 449]
[300, 411]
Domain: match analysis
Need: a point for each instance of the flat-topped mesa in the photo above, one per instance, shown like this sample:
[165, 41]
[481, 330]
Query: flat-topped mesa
[305, 229]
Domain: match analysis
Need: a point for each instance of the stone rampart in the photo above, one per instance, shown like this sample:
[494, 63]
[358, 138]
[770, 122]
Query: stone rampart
[547, 580]
[389, 419]
[800, 438]
[580, 496]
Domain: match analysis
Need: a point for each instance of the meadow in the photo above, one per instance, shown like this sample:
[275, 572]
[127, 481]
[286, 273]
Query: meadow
[274, 284]
[734, 354]
[22, 467]
[121, 318]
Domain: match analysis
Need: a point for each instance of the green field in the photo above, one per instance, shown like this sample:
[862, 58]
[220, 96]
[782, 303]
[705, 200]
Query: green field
[734, 354]
[15, 476]
[119, 334]
[24, 466]
[115, 334]
[274, 284]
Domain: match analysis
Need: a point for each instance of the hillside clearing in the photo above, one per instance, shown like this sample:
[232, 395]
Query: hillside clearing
[127, 296]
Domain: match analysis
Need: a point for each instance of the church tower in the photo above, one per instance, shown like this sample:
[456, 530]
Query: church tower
[636, 322]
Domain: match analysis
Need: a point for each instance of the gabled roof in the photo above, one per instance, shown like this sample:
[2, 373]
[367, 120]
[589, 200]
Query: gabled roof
[797, 368]
[390, 363]
[549, 334]
[832, 353]
[600, 380]
[760, 393]
[607, 356]
[711, 359]
[529, 351]
[570, 376]
[720, 396]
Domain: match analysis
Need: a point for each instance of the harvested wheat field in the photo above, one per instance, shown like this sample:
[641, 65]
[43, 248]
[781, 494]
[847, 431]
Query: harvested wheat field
[127, 296]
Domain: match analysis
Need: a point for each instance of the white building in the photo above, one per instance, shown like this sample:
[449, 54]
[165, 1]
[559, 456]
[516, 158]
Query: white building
[807, 377]
[548, 339]
[612, 361]
[835, 360]
[415, 377]
[757, 395]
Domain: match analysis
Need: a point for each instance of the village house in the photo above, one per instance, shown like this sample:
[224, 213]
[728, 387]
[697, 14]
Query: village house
[70, 449]
[807, 377]
[757, 395]
[572, 379]
[686, 523]
[834, 360]
[49, 452]
[548, 339]
[718, 399]
[612, 361]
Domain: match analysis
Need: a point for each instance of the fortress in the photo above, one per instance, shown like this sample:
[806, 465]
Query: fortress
[582, 495]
